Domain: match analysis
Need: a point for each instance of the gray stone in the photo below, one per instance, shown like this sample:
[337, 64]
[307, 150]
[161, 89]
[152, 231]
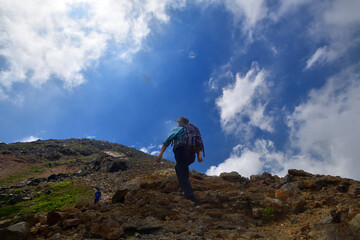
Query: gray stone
[110, 162]
[17, 231]
[119, 196]
[232, 177]
[68, 223]
[355, 225]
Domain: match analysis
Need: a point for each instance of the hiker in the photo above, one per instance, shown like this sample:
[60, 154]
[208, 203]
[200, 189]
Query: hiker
[97, 195]
[184, 154]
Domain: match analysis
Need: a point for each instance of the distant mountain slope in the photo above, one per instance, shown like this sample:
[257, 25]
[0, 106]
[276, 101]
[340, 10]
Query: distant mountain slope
[39, 156]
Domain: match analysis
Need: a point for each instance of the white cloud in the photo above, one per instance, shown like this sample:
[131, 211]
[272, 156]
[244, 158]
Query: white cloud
[343, 13]
[337, 23]
[245, 99]
[42, 40]
[247, 161]
[251, 11]
[287, 7]
[318, 56]
[29, 139]
[324, 135]
[326, 127]
[220, 77]
[152, 150]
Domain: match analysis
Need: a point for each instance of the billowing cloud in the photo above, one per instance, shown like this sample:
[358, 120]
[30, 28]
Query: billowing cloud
[248, 161]
[42, 40]
[242, 103]
[326, 126]
[324, 135]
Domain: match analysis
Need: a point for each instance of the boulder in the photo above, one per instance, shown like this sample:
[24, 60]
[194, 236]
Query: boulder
[119, 196]
[57, 177]
[54, 217]
[355, 225]
[232, 177]
[67, 151]
[17, 231]
[354, 189]
[110, 162]
[299, 173]
[68, 223]
[291, 194]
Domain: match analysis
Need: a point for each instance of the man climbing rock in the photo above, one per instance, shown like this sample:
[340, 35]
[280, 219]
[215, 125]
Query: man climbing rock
[187, 142]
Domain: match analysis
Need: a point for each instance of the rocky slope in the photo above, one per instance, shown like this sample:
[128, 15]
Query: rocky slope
[141, 200]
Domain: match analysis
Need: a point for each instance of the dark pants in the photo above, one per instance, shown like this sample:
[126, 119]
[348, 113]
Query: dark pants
[183, 159]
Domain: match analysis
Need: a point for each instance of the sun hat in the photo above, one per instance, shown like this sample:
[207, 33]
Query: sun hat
[182, 121]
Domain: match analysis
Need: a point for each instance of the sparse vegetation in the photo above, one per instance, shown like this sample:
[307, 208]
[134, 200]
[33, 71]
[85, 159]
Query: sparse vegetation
[56, 196]
[268, 214]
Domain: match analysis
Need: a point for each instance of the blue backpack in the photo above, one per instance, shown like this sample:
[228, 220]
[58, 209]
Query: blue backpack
[192, 139]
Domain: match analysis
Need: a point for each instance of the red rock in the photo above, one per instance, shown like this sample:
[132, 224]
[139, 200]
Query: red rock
[54, 217]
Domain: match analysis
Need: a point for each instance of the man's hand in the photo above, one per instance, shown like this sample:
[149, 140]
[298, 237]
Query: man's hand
[158, 158]
[163, 148]
[199, 157]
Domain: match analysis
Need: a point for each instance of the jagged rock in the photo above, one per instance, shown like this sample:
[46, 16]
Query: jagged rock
[108, 229]
[67, 151]
[354, 189]
[325, 181]
[110, 162]
[287, 179]
[233, 177]
[275, 204]
[17, 231]
[143, 226]
[68, 223]
[340, 213]
[87, 216]
[122, 191]
[332, 232]
[57, 177]
[299, 173]
[51, 231]
[268, 178]
[54, 217]
[291, 194]
[355, 225]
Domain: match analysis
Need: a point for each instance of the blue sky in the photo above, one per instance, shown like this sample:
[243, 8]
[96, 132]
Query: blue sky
[272, 85]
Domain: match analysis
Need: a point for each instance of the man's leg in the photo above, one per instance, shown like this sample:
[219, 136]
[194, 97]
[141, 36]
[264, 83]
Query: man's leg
[183, 160]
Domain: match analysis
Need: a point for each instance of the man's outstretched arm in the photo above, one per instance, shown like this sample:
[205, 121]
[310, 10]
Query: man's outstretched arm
[158, 159]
